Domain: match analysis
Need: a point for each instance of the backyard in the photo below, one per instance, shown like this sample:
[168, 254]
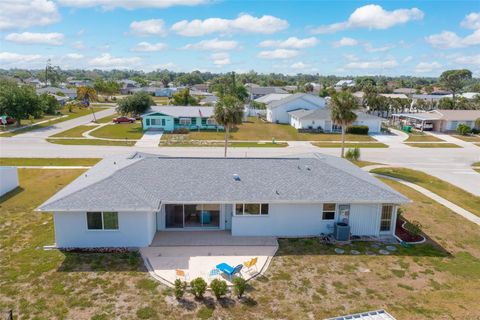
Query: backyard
[256, 130]
[305, 280]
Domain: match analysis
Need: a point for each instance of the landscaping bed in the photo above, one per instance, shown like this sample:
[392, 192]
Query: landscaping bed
[405, 235]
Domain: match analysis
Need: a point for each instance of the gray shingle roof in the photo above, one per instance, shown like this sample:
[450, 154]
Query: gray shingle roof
[183, 111]
[325, 113]
[308, 98]
[142, 182]
[266, 90]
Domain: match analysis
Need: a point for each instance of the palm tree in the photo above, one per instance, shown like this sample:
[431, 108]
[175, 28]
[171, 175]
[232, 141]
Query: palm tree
[342, 106]
[228, 113]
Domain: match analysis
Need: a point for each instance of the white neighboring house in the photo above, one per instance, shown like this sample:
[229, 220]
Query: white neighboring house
[8, 179]
[272, 97]
[345, 83]
[277, 111]
[321, 119]
[124, 200]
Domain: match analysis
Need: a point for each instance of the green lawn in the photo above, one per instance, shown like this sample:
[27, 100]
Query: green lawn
[418, 136]
[255, 129]
[232, 144]
[131, 131]
[48, 161]
[305, 279]
[107, 119]
[349, 145]
[474, 138]
[444, 189]
[361, 163]
[433, 145]
[69, 115]
[75, 132]
[160, 100]
[94, 142]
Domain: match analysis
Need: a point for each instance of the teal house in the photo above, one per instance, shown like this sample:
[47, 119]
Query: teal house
[170, 118]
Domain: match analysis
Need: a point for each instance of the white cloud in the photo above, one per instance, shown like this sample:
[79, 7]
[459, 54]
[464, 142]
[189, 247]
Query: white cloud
[243, 23]
[107, 61]
[471, 21]
[448, 40]
[372, 64]
[75, 56]
[292, 42]
[407, 59]
[78, 45]
[21, 14]
[473, 60]
[53, 38]
[213, 44]
[298, 65]
[373, 17]
[424, 67]
[345, 42]
[371, 49]
[152, 27]
[220, 58]
[17, 60]
[278, 54]
[130, 4]
[149, 47]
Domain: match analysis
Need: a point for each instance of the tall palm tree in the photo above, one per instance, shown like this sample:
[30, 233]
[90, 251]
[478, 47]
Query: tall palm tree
[343, 105]
[228, 113]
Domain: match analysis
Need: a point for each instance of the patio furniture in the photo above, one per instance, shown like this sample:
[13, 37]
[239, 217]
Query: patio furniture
[181, 274]
[213, 273]
[251, 263]
[228, 270]
[206, 217]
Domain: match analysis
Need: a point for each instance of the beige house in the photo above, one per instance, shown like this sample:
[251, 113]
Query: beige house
[438, 120]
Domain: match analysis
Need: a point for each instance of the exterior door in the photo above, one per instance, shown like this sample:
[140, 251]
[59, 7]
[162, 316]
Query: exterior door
[228, 216]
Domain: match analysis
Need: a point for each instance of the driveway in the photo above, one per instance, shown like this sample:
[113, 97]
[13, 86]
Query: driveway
[150, 138]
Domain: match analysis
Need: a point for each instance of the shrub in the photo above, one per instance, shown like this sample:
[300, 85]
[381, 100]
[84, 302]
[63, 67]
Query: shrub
[146, 313]
[219, 288]
[357, 129]
[353, 154]
[199, 286]
[181, 131]
[239, 285]
[413, 227]
[463, 129]
[180, 287]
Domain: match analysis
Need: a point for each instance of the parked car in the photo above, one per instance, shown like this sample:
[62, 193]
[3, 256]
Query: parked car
[426, 126]
[123, 120]
[6, 120]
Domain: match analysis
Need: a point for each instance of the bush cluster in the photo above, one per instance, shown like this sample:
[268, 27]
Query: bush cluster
[181, 131]
[353, 154]
[357, 130]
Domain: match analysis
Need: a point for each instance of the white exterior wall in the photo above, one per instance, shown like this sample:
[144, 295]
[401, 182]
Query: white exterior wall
[8, 179]
[280, 113]
[297, 220]
[135, 229]
[374, 126]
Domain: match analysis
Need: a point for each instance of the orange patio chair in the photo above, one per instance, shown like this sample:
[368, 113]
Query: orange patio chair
[251, 263]
[181, 274]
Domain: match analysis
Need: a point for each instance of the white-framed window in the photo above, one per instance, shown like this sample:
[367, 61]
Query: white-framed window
[328, 212]
[155, 122]
[386, 218]
[251, 209]
[102, 220]
[185, 121]
[211, 122]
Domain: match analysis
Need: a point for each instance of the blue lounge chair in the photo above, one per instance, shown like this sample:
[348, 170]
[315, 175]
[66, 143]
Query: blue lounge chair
[229, 270]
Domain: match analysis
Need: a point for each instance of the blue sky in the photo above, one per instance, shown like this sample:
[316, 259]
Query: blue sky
[341, 37]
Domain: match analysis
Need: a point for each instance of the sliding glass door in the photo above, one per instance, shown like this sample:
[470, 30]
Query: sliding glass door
[192, 215]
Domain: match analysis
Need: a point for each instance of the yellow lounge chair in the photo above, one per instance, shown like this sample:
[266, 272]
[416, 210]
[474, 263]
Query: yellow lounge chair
[251, 263]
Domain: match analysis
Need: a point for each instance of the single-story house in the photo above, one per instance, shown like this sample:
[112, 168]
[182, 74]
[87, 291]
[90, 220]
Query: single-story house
[406, 91]
[257, 92]
[123, 201]
[438, 120]
[69, 93]
[344, 83]
[170, 118]
[277, 111]
[466, 95]
[321, 119]
[203, 87]
[165, 92]
[394, 95]
[266, 99]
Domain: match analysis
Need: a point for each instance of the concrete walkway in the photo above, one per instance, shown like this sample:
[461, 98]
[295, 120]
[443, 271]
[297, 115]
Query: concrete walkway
[150, 139]
[458, 210]
[31, 125]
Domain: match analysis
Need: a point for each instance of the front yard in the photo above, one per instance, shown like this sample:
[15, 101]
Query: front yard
[305, 280]
[257, 130]
[418, 136]
[472, 138]
[130, 131]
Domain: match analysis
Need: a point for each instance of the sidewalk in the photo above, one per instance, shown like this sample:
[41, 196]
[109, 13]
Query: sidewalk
[150, 139]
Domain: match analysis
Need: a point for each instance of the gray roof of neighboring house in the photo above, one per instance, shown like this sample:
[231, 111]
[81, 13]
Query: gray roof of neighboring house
[309, 98]
[210, 99]
[182, 111]
[266, 90]
[428, 96]
[272, 97]
[325, 113]
[54, 90]
[405, 90]
[141, 182]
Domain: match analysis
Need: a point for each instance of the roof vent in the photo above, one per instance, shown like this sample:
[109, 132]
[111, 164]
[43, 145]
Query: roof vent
[236, 177]
[308, 168]
[114, 162]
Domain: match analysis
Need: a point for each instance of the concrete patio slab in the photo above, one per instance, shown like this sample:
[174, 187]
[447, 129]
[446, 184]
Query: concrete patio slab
[197, 253]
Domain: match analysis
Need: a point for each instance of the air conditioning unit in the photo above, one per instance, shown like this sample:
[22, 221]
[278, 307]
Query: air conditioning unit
[341, 231]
